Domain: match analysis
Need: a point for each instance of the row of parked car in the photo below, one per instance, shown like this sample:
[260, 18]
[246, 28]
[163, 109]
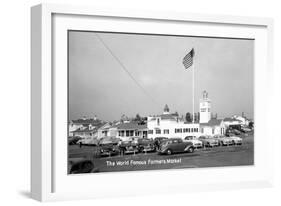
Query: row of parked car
[163, 145]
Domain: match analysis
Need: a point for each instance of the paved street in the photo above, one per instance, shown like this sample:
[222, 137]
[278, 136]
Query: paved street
[210, 157]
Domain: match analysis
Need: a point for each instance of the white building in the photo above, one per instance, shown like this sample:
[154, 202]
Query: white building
[128, 130]
[170, 126]
[213, 127]
[205, 108]
[209, 126]
[88, 134]
[74, 126]
[243, 120]
[232, 122]
[107, 130]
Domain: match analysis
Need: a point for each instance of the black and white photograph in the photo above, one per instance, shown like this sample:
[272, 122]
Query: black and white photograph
[154, 102]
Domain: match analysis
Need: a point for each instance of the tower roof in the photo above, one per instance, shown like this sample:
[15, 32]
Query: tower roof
[205, 94]
[166, 108]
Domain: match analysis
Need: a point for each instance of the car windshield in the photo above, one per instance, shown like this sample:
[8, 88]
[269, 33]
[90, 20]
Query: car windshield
[167, 142]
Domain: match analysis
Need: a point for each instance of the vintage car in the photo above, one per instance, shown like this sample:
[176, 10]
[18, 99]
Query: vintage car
[107, 149]
[232, 132]
[89, 141]
[229, 134]
[196, 143]
[80, 165]
[109, 139]
[146, 145]
[209, 141]
[236, 140]
[246, 129]
[73, 140]
[159, 140]
[176, 145]
[128, 147]
[108, 146]
[237, 132]
[132, 139]
[223, 140]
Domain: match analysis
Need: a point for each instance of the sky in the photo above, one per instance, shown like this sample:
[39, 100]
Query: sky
[99, 85]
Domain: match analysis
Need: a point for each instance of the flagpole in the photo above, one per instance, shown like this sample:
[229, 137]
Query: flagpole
[193, 93]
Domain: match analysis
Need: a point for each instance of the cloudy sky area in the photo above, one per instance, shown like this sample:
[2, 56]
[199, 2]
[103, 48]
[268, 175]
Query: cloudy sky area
[98, 85]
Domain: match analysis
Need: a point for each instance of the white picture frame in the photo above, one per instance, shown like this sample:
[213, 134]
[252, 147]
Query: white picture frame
[49, 179]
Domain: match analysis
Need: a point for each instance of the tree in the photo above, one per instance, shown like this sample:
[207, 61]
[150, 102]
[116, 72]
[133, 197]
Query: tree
[188, 117]
[138, 117]
[251, 124]
[124, 118]
[195, 117]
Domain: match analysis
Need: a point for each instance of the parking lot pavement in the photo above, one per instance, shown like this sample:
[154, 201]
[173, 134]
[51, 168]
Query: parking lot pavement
[209, 157]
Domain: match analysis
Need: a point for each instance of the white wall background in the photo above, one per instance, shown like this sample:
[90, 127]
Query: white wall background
[15, 100]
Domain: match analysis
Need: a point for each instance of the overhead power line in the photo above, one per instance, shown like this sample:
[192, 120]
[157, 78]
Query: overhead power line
[126, 70]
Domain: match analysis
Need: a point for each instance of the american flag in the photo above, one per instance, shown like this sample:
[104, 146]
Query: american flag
[188, 59]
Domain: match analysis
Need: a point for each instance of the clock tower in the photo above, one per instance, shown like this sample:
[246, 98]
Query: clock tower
[205, 108]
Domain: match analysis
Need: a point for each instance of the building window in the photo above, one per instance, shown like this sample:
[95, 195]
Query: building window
[178, 130]
[121, 133]
[158, 121]
[202, 130]
[203, 109]
[158, 131]
[144, 134]
[131, 133]
[127, 133]
[213, 130]
[150, 131]
[166, 131]
[191, 129]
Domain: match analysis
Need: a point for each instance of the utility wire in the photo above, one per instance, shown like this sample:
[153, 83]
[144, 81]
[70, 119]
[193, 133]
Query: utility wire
[124, 68]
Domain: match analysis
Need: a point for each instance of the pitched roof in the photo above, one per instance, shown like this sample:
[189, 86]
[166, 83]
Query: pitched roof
[131, 126]
[172, 117]
[228, 119]
[87, 121]
[212, 123]
[85, 130]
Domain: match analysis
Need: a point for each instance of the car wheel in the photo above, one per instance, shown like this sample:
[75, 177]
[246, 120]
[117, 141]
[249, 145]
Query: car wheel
[169, 152]
[190, 150]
